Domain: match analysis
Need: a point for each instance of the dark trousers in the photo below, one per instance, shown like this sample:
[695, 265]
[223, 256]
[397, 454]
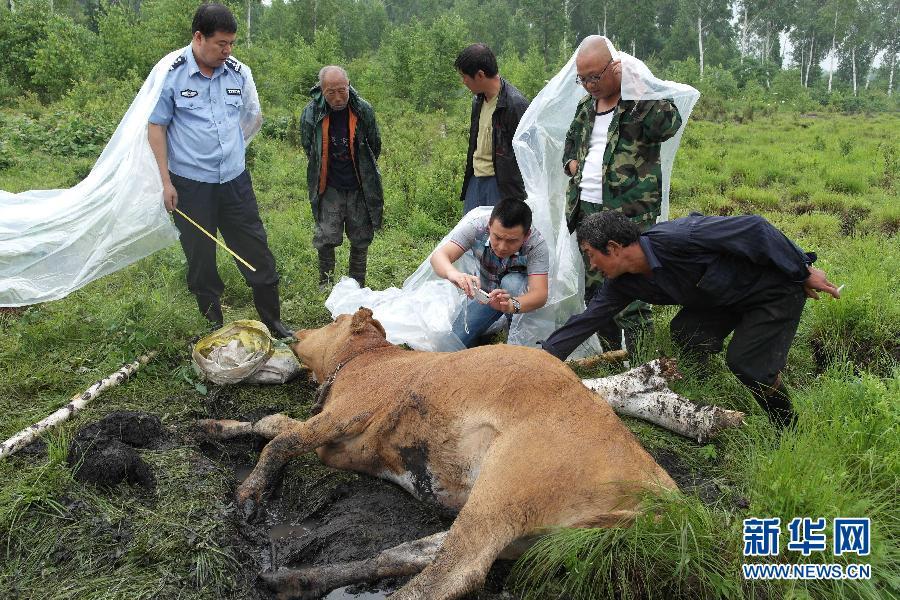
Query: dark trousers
[764, 326]
[482, 191]
[230, 208]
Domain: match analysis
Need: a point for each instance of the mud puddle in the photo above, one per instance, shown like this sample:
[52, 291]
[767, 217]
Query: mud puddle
[316, 515]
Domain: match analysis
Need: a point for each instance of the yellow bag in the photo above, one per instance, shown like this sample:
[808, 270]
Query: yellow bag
[233, 353]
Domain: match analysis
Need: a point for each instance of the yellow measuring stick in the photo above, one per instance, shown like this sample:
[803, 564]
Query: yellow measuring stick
[214, 238]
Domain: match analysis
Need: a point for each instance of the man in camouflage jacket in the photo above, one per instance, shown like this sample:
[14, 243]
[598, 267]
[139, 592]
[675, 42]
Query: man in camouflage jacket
[631, 170]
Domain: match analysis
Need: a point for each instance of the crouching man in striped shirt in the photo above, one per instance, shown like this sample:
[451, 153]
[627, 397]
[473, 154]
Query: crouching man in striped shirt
[513, 262]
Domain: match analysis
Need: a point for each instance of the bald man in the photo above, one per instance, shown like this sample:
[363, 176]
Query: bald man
[612, 155]
[342, 143]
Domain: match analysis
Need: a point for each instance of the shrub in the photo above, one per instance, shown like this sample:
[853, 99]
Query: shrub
[755, 198]
[61, 58]
[886, 218]
[845, 179]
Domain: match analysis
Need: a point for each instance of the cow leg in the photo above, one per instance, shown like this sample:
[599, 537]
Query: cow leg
[222, 429]
[495, 515]
[226, 429]
[315, 581]
[475, 540]
[292, 440]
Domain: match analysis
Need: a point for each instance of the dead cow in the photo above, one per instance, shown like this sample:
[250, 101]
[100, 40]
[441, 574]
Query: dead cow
[507, 436]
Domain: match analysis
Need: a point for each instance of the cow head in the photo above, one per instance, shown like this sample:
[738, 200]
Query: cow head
[321, 349]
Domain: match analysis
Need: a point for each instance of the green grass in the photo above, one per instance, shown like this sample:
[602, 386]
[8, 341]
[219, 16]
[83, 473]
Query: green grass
[829, 183]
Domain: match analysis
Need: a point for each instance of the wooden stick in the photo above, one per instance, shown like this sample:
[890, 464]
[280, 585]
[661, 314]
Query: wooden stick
[607, 357]
[215, 239]
[78, 401]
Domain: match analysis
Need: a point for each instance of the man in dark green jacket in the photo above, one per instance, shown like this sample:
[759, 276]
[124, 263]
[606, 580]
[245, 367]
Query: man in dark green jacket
[612, 154]
[342, 144]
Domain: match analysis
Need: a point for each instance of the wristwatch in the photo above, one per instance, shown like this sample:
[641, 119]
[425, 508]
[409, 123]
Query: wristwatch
[517, 306]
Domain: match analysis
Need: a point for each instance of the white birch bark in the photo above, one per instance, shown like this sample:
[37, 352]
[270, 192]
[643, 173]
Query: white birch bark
[891, 76]
[643, 393]
[745, 34]
[77, 402]
[833, 52]
[812, 47]
[249, 4]
[700, 41]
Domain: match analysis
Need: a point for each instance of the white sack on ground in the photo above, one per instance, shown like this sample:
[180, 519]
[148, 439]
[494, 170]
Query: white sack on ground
[417, 314]
[53, 242]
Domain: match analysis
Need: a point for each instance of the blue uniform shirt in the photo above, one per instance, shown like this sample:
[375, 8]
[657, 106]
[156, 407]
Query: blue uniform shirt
[202, 115]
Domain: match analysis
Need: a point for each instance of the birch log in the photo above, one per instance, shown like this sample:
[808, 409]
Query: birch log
[79, 401]
[643, 393]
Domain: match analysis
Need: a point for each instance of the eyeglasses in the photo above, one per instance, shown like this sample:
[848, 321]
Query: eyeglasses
[336, 91]
[592, 79]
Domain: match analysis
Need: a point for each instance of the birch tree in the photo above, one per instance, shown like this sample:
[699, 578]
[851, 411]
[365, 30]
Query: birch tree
[706, 15]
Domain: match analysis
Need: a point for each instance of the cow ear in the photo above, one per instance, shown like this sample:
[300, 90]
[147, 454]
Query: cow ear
[380, 328]
[362, 318]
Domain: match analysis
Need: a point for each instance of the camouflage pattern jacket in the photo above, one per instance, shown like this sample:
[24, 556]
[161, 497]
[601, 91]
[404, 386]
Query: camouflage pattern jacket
[632, 174]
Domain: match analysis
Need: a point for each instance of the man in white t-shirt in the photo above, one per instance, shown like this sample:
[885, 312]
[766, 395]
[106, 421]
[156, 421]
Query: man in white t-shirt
[612, 154]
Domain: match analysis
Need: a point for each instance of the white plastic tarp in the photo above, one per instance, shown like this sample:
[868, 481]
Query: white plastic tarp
[52, 242]
[420, 314]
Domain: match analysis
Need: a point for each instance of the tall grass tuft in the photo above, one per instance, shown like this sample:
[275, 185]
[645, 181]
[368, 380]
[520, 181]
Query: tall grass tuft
[864, 325]
[843, 460]
[676, 548]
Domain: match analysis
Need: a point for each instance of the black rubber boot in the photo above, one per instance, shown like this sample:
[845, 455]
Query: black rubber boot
[777, 404]
[358, 258]
[269, 308]
[326, 268]
[211, 308]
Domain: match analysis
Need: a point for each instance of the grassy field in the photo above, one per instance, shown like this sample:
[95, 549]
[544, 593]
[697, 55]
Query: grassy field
[830, 182]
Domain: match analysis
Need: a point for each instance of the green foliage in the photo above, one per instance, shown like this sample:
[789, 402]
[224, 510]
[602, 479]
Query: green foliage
[842, 460]
[119, 54]
[420, 59]
[863, 325]
[528, 73]
[20, 33]
[61, 58]
[292, 69]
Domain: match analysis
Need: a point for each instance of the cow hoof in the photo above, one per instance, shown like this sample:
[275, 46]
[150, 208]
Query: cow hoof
[251, 510]
[288, 583]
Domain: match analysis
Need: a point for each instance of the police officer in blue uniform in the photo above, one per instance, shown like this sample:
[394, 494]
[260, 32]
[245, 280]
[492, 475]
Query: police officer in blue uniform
[207, 108]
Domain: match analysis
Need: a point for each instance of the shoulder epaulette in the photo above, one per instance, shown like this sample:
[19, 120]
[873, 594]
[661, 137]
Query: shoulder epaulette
[234, 64]
[178, 62]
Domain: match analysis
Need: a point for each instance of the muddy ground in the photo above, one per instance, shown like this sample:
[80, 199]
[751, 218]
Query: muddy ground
[315, 515]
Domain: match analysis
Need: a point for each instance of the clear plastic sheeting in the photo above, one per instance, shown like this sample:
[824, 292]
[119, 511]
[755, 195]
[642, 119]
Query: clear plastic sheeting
[421, 313]
[52, 242]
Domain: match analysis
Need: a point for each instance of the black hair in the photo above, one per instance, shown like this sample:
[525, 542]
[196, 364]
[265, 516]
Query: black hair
[211, 18]
[599, 229]
[477, 57]
[512, 212]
